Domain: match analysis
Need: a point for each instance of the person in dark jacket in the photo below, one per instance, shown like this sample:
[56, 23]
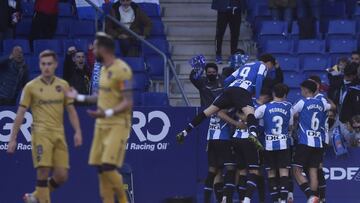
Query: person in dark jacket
[45, 19]
[131, 15]
[351, 104]
[228, 13]
[76, 72]
[274, 77]
[9, 17]
[283, 10]
[209, 86]
[13, 76]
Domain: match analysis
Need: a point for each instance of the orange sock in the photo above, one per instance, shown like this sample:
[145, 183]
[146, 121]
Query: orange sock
[116, 181]
[106, 190]
[43, 194]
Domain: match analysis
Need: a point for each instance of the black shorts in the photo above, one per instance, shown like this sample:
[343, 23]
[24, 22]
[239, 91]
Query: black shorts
[277, 159]
[219, 153]
[246, 154]
[233, 97]
[308, 157]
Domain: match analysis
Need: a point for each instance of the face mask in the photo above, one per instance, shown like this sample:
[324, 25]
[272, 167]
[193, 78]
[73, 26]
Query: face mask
[99, 59]
[211, 77]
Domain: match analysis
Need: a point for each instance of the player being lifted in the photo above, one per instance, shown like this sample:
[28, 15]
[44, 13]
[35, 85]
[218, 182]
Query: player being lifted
[238, 94]
[277, 117]
[113, 118]
[44, 96]
[309, 150]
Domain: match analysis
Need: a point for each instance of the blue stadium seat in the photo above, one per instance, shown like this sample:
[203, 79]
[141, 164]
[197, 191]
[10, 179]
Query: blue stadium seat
[137, 64]
[342, 46]
[288, 63]
[333, 10]
[294, 95]
[27, 8]
[161, 44]
[279, 46]
[140, 81]
[341, 29]
[42, 44]
[80, 44]
[155, 67]
[152, 10]
[273, 28]
[10, 43]
[311, 63]
[259, 13]
[83, 29]
[60, 69]
[157, 30]
[23, 29]
[155, 99]
[137, 100]
[63, 28]
[293, 79]
[33, 64]
[65, 10]
[311, 47]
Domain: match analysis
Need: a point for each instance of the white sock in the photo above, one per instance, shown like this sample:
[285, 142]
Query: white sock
[290, 195]
[246, 200]
[283, 201]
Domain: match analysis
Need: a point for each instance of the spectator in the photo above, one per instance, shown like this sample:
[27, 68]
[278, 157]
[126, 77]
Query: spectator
[9, 17]
[308, 12]
[351, 104]
[337, 91]
[13, 76]
[131, 15]
[228, 13]
[45, 19]
[76, 72]
[355, 57]
[209, 86]
[353, 135]
[283, 10]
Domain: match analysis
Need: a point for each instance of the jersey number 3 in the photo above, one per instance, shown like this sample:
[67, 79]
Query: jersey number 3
[278, 120]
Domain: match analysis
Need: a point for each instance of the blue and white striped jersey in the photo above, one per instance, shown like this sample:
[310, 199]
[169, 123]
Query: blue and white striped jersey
[277, 117]
[312, 116]
[218, 129]
[249, 77]
[325, 134]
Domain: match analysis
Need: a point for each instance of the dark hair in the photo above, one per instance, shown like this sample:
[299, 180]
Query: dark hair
[310, 85]
[343, 59]
[211, 65]
[267, 58]
[106, 41]
[266, 91]
[315, 78]
[355, 52]
[281, 90]
[351, 69]
[47, 53]
[239, 51]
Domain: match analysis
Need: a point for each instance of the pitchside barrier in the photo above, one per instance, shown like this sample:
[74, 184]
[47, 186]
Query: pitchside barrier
[161, 167]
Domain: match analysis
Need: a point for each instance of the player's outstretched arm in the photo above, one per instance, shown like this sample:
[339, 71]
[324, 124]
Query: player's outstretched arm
[74, 120]
[15, 129]
[223, 115]
[72, 93]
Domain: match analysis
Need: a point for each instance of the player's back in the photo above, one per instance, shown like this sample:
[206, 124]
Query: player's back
[114, 81]
[46, 101]
[277, 116]
[311, 118]
[246, 75]
[218, 129]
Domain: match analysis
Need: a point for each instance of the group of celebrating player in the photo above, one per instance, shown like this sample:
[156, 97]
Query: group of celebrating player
[47, 96]
[247, 133]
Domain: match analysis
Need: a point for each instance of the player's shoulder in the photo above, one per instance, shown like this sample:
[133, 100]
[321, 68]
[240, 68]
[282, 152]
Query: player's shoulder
[33, 82]
[61, 81]
[121, 68]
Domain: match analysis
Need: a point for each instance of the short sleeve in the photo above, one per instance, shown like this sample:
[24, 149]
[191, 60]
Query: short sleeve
[26, 97]
[259, 112]
[236, 73]
[298, 106]
[67, 101]
[326, 104]
[291, 121]
[124, 78]
[262, 70]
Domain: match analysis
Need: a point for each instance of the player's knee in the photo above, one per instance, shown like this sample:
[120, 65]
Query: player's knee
[297, 171]
[43, 173]
[213, 169]
[242, 172]
[254, 171]
[61, 177]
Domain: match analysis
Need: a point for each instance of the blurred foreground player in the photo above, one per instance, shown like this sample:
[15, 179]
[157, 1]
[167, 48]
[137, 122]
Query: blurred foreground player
[44, 95]
[113, 118]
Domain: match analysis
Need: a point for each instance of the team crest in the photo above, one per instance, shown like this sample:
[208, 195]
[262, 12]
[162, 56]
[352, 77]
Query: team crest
[109, 75]
[58, 88]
